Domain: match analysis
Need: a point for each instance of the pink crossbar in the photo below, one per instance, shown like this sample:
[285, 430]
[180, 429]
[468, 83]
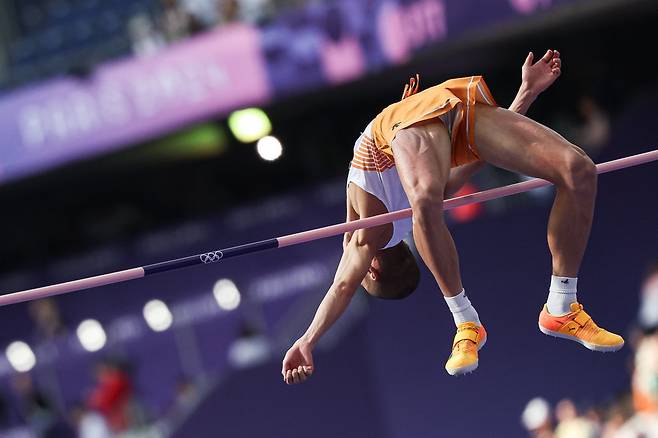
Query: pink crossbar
[294, 239]
[486, 195]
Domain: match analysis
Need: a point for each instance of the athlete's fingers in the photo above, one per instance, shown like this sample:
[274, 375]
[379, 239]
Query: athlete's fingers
[547, 57]
[302, 374]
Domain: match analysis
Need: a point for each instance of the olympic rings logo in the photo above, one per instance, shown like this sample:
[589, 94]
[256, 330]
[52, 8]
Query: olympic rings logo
[211, 257]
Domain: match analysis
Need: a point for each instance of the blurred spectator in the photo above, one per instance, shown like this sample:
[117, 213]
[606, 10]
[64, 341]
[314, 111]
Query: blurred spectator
[176, 22]
[146, 40]
[648, 315]
[204, 13]
[38, 411]
[112, 395]
[247, 11]
[595, 129]
[186, 398]
[47, 320]
[230, 11]
[588, 128]
[255, 11]
[536, 418]
[187, 393]
[645, 373]
[619, 411]
[89, 424]
[640, 426]
[570, 425]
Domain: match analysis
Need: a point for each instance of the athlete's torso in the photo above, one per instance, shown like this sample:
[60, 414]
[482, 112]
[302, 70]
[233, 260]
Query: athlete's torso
[375, 172]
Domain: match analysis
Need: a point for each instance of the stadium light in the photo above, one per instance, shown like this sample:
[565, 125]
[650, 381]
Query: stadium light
[249, 124]
[269, 148]
[226, 294]
[157, 315]
[91, 335]
[20, 356]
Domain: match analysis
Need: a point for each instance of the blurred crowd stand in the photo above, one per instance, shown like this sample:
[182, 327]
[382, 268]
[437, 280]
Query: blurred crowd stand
[43, 38]
[180, 19]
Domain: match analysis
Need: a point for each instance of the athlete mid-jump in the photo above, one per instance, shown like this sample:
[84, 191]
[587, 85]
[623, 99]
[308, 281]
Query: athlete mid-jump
[417, 151]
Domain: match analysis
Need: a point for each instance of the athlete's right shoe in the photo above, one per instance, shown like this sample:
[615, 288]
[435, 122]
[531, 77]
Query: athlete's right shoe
[578, 326]
[470, 338]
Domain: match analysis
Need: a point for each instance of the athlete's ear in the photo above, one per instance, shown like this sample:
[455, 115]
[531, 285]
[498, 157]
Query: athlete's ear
[373, 273]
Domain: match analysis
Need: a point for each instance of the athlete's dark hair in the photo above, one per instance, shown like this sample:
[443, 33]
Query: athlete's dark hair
[398, 274]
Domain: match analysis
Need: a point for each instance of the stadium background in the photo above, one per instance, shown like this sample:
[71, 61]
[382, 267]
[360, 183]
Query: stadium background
[119, 147]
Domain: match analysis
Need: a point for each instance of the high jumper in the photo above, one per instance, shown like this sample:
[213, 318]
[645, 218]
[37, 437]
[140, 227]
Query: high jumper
[418, 151]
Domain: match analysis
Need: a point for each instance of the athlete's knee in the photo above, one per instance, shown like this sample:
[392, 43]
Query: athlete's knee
[427, 204]
[578, 172]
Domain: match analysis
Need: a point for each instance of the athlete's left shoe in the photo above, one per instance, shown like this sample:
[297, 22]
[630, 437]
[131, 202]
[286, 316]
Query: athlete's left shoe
[470, 338]
[578, 326]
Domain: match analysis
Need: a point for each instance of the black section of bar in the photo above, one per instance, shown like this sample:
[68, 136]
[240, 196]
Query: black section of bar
[210, 257]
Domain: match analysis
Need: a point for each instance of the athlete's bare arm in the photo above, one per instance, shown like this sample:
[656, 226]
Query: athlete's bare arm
[359, 250]
[535, 79]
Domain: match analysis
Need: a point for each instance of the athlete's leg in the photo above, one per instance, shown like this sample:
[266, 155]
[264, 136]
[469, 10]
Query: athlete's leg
[517, 143]
[514, 142]
[422, 157]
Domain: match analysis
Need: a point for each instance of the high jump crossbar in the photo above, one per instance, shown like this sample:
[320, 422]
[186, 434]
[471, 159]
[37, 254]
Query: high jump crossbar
[297, 238]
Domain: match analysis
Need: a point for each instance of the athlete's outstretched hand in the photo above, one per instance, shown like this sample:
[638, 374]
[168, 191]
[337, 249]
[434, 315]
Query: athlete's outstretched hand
[298, 363]
[539, 76]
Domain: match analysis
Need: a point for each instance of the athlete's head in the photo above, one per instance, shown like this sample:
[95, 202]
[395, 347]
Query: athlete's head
[393, 273]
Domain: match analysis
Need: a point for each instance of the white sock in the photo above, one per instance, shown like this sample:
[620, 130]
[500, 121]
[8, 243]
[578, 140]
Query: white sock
[561, 294]
[462, 309]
